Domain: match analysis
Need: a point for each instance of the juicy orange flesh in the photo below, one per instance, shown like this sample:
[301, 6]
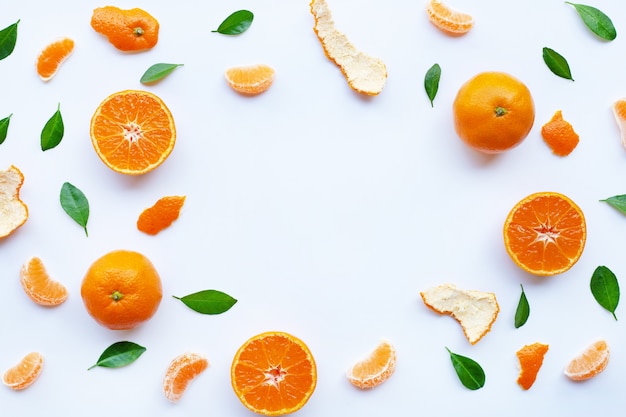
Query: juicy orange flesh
[590, 363]
[53, 56]
[546, 234]
[181, 372]
[274, 374]
[38, 285]
[252, 79]
[449, 19]
[530, 359]
[25, 372]
[619, 107]
[161, 215]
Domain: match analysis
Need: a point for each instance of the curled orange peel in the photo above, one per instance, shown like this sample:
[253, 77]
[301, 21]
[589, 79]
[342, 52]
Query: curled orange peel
[13, 211]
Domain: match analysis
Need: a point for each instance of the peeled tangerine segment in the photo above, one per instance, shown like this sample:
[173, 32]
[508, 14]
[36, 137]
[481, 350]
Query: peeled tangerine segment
[619, 111]
[374, 369]
[364, 73]
[181, 371]
[24, 373]
[13, 212]
[38, 285]
[475, 311]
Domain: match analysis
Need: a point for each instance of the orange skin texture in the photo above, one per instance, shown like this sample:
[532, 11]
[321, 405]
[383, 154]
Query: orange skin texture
[559, 135]
[493, 112]
[129, 30]
[530, 359]
[161, 215]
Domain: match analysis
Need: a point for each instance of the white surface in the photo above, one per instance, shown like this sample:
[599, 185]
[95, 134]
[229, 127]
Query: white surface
[323, 212]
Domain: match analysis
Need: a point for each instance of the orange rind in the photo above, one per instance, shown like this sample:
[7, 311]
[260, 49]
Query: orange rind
[559, 135]
[24, 373]
[161, 215]
[38, 285]
[13, 211]
[129, 30]
[181, 371]
[374, 369]
[449, 20]
[530, 360]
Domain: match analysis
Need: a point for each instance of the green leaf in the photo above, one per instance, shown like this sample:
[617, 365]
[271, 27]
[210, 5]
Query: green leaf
[4, 128]
[598, 22]
[119, 354]
[208, 301]
[618, 202]
[557, 63]
[523, 310]
[431, 82]
[470, 373]
[605, 289]
[236, 23]
[75, 204]
[8, 38]
[158, 71]
[52, 132]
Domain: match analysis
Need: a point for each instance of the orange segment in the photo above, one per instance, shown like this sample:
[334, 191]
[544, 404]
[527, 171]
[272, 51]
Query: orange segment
[13, 211]
[545, 233]
[52, 56]
[126, 29]
[589, 363]
[181, 371]
[38, 285]
[619, 111]
[273, 373]
[375, 369]
[161, 215]
[133, 132]
[530, 360]
[251, 79]
[559, 135]
[447, 19]
[25, 373]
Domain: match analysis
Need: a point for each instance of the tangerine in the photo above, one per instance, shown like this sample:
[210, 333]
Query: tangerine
[127, 30]
[250, 79]
[52, 56]
[589, 363]
[374, 369]
[39, 286]
[181, 371]
[447, 19]
[25, 372]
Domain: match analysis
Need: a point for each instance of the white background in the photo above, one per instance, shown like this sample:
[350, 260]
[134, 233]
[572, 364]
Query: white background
[323, 212]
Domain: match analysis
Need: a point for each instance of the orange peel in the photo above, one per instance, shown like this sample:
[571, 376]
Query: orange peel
[13, 211]
[530, 360]
[559, 135]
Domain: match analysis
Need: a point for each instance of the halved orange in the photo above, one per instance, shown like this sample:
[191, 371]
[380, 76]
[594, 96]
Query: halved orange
[589, 363]
[374, 369]
[39, 286]
[273, 373]
[13, 211]
[133, 132]
[25, 373]
[530, 360]
[545, 233]
[448, 19]
[52, 56]
[181, 371]
[250, 79]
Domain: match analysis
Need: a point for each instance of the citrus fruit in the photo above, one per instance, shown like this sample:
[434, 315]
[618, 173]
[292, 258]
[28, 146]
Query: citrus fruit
[129, 30]
[365, 74]
[273, 373]
[559, 135]
[476, 311]
[619, 111]
[375, 369]
[447, 19]
[161, 215]
[121, 289]
[13, 211]
[52, 56]
[493, 112]
[250, 79]
[38, 285]
[181, 371]
[133, 132]
[545, 233]
[25, 372]
[589, 363]
[530, 360]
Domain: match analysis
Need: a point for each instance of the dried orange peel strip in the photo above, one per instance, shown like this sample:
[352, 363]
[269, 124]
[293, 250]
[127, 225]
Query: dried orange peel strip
[365, 74]
[161, 215]
[13, 211]
[559, 135]
[530, 360]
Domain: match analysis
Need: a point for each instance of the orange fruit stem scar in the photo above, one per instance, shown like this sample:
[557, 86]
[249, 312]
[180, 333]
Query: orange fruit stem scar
[447, 19]
[161, 215]
[530, 360]
[129, 30]
[52, 56]
[25, 372]
[13, 211]
[375, 369]
[559, 135]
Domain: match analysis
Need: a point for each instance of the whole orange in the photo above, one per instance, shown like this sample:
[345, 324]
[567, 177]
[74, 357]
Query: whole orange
[493, 112]
[121, 290]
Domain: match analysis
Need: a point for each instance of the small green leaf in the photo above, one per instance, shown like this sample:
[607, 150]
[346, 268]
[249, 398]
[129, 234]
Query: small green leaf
[236, 23]
[523, 310]
[605, 289]
[598, 22]
[52, 132]
[4, 128]
[618, 202]
[208, 301]
[470, 373]
[557, 63]
[158, 71]
[431, 82]
[75, 204]
[8, 38]
[119, 354]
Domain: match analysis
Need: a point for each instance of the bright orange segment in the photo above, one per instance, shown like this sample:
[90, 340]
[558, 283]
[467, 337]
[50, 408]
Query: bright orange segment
[530, 359]
[559, 134]
[161, 215]
[589, 363]
[127, 30]
[273, 373]
[25, 373]
[52, 56]
[545, 233]
[133, 132]
[449, 20]
[619, 111]
[181, 371]
[13, 211]
[251, 79]
[38, 285]
[375, 369]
